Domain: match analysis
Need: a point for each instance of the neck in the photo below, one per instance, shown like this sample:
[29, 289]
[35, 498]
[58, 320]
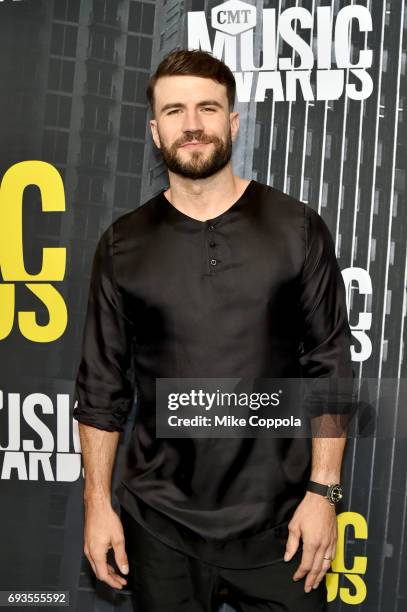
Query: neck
[206, 198]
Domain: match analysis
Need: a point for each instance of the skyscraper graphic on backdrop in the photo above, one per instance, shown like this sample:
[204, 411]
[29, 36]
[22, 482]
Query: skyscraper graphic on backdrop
[75, 98]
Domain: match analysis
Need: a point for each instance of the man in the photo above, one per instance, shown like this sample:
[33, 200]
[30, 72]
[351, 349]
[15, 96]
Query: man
[217, 276]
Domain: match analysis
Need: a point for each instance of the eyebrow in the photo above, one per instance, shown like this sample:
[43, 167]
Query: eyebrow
[181, 105]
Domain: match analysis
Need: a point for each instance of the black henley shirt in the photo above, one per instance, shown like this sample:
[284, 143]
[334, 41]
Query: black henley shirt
[254, 292]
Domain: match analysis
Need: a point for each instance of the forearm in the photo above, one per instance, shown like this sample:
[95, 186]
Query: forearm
[327, 455]
[98, 454]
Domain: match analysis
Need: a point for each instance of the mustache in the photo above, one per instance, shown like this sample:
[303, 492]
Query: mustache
[199, 138]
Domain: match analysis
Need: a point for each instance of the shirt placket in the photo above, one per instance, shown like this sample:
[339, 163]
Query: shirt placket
[213, 247]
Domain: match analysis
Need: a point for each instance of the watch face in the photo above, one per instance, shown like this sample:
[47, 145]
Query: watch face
[335, 493]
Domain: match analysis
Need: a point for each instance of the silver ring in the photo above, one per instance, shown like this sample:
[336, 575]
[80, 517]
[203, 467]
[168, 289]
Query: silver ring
[328, 558]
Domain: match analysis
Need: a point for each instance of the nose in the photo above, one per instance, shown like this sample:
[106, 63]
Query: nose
[192, 121]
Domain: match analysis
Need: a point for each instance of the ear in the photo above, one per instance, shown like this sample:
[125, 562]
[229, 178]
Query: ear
[234, 119]
[154, 133]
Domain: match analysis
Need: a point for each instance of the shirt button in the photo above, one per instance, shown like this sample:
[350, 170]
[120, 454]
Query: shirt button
[212, 243]
[213, 262]
[211, 228]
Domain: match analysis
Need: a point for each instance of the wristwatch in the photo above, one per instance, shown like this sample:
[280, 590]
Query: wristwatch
[333, 492]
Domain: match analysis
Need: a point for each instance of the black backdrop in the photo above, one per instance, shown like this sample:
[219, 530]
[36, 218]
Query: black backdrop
[73, 77]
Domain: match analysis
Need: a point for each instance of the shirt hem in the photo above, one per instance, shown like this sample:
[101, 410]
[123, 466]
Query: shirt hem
[258, 550]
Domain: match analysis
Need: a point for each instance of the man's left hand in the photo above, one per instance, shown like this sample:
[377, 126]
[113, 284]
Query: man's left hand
[314, 520]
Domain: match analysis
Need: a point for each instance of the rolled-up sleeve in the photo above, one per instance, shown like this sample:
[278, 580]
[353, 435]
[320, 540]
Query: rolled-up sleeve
[326, 331]
[104, 385]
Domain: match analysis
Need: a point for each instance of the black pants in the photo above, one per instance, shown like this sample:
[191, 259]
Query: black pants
[163, 579]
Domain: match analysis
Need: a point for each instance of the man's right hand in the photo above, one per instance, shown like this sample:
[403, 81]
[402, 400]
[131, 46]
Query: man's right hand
[103, 530]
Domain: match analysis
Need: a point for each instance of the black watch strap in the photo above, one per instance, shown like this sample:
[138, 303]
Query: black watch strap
[317, 487]
[333, 492]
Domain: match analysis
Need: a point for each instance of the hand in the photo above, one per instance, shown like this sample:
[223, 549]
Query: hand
[314, 520]
[103, 530]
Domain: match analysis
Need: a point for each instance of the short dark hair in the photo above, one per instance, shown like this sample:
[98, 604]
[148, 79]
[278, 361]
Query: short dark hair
[193, 62]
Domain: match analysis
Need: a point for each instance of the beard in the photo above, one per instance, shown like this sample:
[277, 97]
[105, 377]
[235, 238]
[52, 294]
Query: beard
[199, 165]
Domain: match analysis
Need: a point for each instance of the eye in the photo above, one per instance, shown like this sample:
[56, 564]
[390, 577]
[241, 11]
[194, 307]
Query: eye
[172, 112]
[208, 108]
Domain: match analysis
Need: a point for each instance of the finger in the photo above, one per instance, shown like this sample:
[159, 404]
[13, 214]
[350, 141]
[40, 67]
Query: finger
[307, 561]
[327, 562]
[113, 573]
[320, 565]
[292, 544]
[102, 572]
[321, 575]
[120, 556]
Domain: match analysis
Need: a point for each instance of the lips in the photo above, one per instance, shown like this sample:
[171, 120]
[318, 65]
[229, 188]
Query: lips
[192, 143]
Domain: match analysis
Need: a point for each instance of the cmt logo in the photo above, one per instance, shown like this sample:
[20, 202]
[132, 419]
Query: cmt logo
[233, 17]
[318, 45]
[12, 267]
[355, 593]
